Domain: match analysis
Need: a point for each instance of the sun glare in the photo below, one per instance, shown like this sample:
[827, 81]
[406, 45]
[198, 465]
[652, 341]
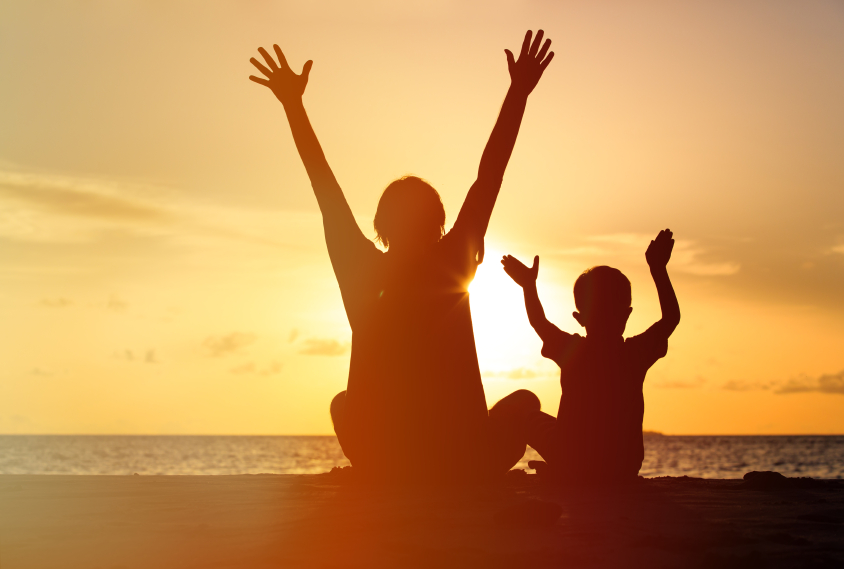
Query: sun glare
[502, 332]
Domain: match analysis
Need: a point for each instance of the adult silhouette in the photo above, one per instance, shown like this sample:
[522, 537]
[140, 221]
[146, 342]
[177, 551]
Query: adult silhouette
[414, 406]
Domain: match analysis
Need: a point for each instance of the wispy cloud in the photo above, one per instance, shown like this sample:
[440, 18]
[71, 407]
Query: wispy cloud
[73, 196]
[827, 383]
[832, 383]
[688, 256]
[60, 302]
[518, 373]
[55, 208]
[218, 346]
[115, 304]
[736, 385]
[140, 356]
[324, 347]
[253, 369]
[694, 383]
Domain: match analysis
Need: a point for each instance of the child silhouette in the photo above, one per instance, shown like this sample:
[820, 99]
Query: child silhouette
[597, 435]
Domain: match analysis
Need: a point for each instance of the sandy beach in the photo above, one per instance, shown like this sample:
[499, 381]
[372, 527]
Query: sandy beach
[112, 522]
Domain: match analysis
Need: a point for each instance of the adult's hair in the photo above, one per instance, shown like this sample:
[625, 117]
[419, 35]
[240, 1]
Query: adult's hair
[410, 200]
[602, 286]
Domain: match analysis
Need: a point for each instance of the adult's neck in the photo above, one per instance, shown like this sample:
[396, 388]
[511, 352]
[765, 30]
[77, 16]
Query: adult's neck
[405, 250]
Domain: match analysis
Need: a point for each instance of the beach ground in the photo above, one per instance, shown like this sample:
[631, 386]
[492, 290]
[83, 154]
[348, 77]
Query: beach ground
[127, 522]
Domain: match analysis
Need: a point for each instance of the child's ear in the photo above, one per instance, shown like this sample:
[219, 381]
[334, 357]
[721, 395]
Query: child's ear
[580, 318]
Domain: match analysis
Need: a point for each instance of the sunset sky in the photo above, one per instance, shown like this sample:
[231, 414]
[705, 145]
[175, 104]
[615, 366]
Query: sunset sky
[162, 265]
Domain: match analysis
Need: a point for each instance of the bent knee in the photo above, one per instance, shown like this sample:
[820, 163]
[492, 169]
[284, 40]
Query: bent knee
[518, 402]
[338, 405]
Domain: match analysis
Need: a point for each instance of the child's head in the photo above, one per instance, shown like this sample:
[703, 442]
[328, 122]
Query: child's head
[602, 297]
[410, 213]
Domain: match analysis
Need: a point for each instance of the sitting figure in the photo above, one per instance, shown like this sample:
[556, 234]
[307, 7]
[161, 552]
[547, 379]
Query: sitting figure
[414, 407]
[597, 434]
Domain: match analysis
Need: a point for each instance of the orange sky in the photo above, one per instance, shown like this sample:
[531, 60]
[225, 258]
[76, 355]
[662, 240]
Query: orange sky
[163, 267]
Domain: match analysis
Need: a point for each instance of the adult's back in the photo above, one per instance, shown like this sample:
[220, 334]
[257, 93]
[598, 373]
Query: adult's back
[414, 400]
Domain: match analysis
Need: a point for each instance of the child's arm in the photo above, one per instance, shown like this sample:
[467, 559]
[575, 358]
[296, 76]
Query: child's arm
[657, 255]
[526, 278]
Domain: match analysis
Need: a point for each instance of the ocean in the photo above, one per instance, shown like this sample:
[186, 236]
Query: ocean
[665, 455]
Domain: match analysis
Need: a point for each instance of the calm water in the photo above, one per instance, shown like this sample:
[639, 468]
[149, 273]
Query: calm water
[710, 457]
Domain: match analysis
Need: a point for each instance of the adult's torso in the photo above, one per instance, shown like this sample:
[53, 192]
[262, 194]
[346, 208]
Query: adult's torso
[415, 403]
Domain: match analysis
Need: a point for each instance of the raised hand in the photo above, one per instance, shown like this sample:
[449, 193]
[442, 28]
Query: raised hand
[659, 251]
[284, 83]
[523, 275]
[526, 71]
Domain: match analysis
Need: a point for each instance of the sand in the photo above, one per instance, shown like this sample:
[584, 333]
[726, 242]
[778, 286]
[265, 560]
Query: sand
[317, 521]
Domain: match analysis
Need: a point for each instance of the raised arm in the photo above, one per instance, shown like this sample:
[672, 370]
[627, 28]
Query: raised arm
[658, 255]
[526, 278]
[524, 75]
[289, 87]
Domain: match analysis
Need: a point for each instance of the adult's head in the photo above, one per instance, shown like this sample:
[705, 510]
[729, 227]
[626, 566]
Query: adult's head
[602, 296]
[410, 214]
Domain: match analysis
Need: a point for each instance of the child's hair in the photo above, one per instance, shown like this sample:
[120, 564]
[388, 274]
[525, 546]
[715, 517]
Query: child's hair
[408, 196]
[602, 286]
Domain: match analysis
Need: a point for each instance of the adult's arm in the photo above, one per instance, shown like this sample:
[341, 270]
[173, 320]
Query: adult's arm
[524, 75]
[288, 87]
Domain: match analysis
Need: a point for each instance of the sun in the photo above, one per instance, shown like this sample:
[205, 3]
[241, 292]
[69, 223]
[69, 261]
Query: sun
[498, 314]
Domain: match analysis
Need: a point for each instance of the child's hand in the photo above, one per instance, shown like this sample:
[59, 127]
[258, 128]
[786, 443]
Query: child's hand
[524, 276]
[285, 84]
[525, 73]
[659, 251]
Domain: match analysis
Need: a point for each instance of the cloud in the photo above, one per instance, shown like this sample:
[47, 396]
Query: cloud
[324, 347]
[218, 346]
[832, 383]
[838, 249]
[251, 369]
[518, 373]
[40, 372]
[827, 383]
[688, 256]
[60, 302]
[115, 304]
[294, 333]
[735, 385]
[243, 369]
[75, 197]
[141, 356]
[696, 382]
[126, 355]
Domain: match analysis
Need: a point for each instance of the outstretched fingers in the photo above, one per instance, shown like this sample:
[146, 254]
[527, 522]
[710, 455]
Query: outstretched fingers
[268, 58]
[260, 67]
[281, 59]
[537, 41]
[544, 50]
[259, 81]
[526, 43]
[546, 61]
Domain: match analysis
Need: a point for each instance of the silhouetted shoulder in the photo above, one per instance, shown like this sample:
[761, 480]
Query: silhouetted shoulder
[649, 346]
[559, 346]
